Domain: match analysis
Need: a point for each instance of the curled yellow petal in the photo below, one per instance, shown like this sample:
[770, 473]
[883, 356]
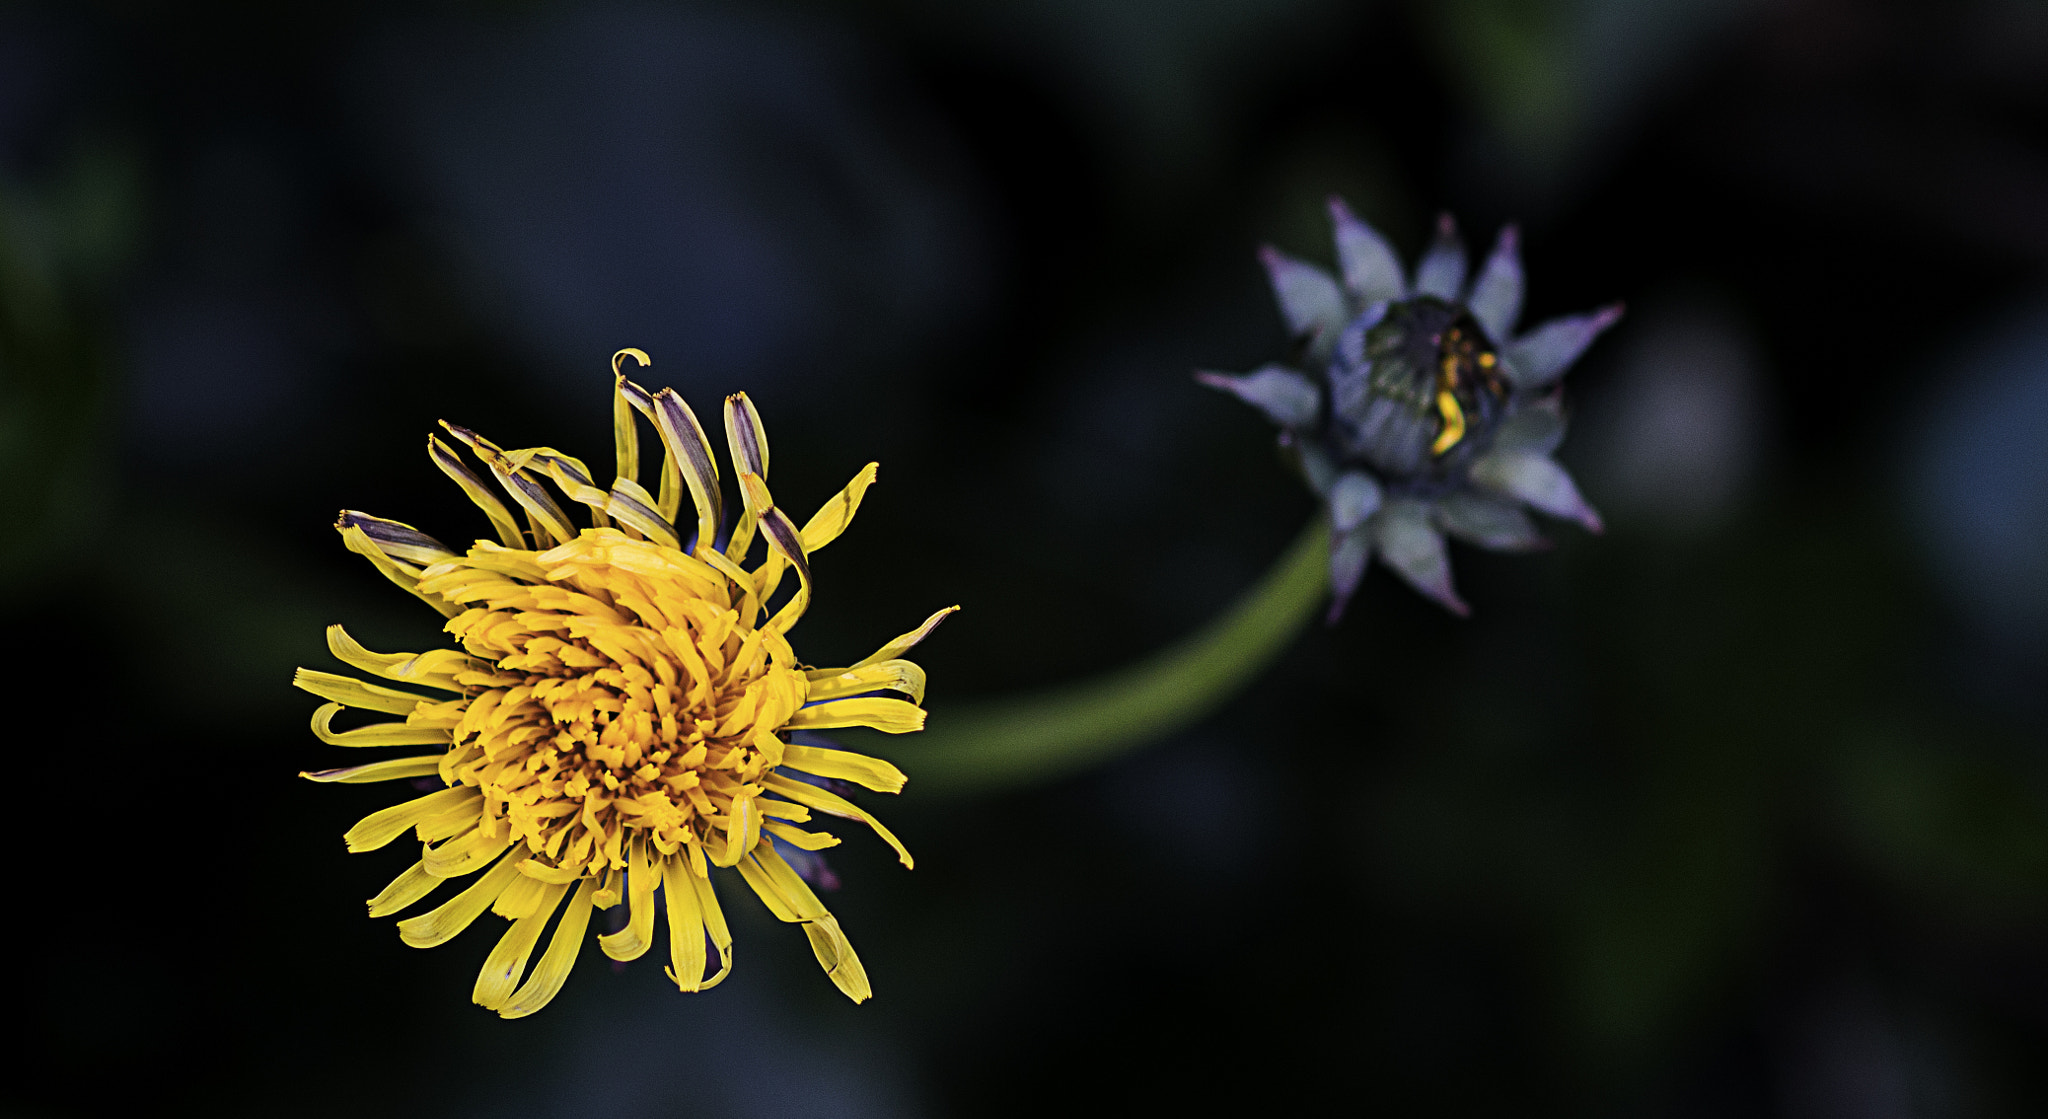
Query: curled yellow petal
[633, 941]
[434, 669]
[890, 675]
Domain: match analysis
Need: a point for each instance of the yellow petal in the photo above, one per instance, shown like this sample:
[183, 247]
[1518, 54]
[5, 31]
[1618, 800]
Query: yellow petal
[376, 734]
[671, 474]
[742, 832]
[835, 805]
[892, 716]
[742, 537]
[690, 450]
[903, 643]
[553, 970]
[507, 961]
[351, 692]
[795, 813]
[437, 926]
[836, 955]
[405, 889]
[445, 457]
[845, 765]
[405, 575]
[434, 669]
[548, 521]
[790, 898]
[542, 872]
[778, 885]
[798, 837]
[891, 675]
[389, 770]
[465, 853]
[634, 507]
[744, 435]
[633, 941]
[386, 824]
[830, 520]
[783, 538]
[686, 926]
[522, 897]
[625, 435]
[573, 479]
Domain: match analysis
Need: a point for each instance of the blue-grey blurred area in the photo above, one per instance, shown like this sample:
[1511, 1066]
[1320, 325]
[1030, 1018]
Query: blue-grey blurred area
[743, 192]
[1979, 471]
[1740, 809]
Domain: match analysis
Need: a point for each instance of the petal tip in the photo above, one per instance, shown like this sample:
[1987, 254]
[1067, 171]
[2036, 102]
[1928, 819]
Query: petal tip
[1336, 612]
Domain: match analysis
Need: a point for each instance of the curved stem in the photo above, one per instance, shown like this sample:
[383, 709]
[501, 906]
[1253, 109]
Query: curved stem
[1009, 743]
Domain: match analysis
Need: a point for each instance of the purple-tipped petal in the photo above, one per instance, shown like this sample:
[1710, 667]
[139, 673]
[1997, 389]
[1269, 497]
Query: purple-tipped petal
[1371, 270]
[1541, 356]
[1537, 480]
[1408, 543]
[1309, 298]
[1287, 397]
[1442, 271]
[399, 541]
[1347, 568]
[1354, 496]
[1536, 429]
[1490, 523]
[1496, 299]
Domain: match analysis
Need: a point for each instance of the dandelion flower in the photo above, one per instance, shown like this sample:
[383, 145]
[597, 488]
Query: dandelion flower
[618, 719]
[1423, 412]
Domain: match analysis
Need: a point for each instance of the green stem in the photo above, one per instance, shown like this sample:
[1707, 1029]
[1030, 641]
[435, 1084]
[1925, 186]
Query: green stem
[1008, 743]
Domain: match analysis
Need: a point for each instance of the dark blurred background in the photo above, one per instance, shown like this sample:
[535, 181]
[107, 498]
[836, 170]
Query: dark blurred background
[1741, 810]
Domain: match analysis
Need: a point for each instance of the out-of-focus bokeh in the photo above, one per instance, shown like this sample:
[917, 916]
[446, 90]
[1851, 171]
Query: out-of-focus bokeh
[1740, 810]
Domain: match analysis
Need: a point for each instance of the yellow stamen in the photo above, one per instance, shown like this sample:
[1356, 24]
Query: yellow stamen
[1454, 422]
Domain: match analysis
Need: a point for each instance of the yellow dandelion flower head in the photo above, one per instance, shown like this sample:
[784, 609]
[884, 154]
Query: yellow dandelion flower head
[618, 716]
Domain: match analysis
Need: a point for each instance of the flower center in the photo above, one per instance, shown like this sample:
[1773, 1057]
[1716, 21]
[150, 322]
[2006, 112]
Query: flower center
[1433, 356]
[626, 693]
[1414, 386]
